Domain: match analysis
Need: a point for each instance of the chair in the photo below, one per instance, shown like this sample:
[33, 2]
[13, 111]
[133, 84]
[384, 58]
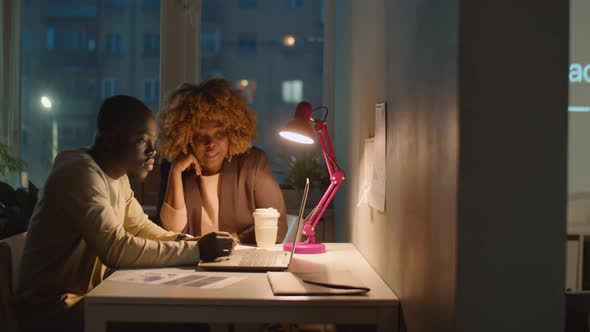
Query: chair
[577, 311]
[11, 250]
[578, 212]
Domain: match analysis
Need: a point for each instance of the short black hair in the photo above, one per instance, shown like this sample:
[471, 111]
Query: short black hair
[119, 109]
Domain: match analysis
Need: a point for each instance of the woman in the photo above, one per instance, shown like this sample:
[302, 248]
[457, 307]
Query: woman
[216, 179]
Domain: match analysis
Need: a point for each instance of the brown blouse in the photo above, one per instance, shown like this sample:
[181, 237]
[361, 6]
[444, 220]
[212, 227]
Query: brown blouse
[247, 183]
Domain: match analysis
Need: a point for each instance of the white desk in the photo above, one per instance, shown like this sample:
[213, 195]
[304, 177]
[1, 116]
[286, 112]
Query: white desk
[250, 300]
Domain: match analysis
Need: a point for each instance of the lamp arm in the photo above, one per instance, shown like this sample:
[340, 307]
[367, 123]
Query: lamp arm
[322, 108]
[317, 212]
[336, 178]
[326, 145]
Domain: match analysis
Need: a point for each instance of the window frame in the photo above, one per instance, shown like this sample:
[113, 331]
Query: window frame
[247, 45]
[292, 5]
[153, 87]
[174, 51]
[247, 4]
[151, 44]
[112, 44]
[292, 91]
[50, 38]
[180, 42]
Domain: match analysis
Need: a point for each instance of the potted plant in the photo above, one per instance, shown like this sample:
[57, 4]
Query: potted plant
[294, 170]
[8, 162]
[16, 206]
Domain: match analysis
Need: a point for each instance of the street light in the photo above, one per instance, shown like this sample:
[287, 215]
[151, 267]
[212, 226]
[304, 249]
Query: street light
[47, 104]
[289, 40]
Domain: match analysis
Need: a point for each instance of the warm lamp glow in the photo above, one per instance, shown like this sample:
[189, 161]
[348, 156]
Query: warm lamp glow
[244, 83]
[298, 138]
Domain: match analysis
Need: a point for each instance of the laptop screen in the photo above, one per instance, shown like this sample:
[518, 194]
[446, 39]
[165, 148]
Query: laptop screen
[300, 218]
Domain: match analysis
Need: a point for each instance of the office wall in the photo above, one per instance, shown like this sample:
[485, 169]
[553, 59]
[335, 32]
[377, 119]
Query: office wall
[579, 96]
[473, 234]
[513, 165]
[579, 151]
[403, 52]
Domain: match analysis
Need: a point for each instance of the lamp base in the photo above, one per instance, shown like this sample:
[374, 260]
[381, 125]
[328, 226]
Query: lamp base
[306, 248]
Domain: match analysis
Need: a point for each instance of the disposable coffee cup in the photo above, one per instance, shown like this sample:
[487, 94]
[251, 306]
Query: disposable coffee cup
[266, 226]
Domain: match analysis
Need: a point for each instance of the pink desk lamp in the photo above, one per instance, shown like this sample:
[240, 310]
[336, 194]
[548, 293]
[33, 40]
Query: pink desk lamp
[300, 130]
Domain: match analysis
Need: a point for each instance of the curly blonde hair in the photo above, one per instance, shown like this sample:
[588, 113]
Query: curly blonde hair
[214, 100]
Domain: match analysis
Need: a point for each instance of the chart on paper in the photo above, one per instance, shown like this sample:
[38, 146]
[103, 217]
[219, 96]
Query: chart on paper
[184, 279]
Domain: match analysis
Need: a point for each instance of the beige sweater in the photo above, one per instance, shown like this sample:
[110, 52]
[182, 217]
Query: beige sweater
[84, 221]
[210, 204]
[209, 207]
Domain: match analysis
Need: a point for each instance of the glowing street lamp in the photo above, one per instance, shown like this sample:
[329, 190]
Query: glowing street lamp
[46, 102]
[289, 40]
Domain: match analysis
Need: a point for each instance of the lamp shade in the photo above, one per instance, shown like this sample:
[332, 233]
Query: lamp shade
[299, 129]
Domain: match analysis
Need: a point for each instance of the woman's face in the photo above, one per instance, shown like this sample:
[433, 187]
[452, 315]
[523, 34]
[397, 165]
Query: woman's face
[210, 145]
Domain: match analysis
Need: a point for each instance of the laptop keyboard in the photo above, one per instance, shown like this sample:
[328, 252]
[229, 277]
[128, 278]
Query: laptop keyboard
[261, 258]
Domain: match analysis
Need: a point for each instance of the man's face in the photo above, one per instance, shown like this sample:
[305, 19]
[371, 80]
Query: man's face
[137, 147]
[210, 146]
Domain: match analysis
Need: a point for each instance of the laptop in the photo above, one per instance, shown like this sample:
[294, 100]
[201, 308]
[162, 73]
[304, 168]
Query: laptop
[260, 259]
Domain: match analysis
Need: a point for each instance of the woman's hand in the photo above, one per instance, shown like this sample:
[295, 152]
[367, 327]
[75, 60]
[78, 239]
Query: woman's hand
[236, 237]
[185, 162]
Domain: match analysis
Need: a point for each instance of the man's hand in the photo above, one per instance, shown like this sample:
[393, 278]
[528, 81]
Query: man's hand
[215, 244]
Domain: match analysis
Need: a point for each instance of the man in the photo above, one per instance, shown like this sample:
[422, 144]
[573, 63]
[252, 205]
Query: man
[88, 220]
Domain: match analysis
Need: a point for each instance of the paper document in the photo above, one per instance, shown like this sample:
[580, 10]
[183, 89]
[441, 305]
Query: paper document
[186, 279]
[320, 283]
[367, 171]
[376, 196]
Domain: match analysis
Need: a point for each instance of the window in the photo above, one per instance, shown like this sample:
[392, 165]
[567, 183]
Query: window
[78, 39]
[49, 38]
[151, 5]
[116, 44]
[247, 4]
[110, 87]
[151, 90]
[114, 4]
[293, 4]
[248, 88]
[26, 43]
[91, 45]
[213, 72]
[113, 44]
[253, 56]
[24, 140]
[83, 87]
[151, 44]
[74, 39]
[67, 133]
[210, 41]
[71, 133]
[292, 91]
[247, 44]
[234, 46]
